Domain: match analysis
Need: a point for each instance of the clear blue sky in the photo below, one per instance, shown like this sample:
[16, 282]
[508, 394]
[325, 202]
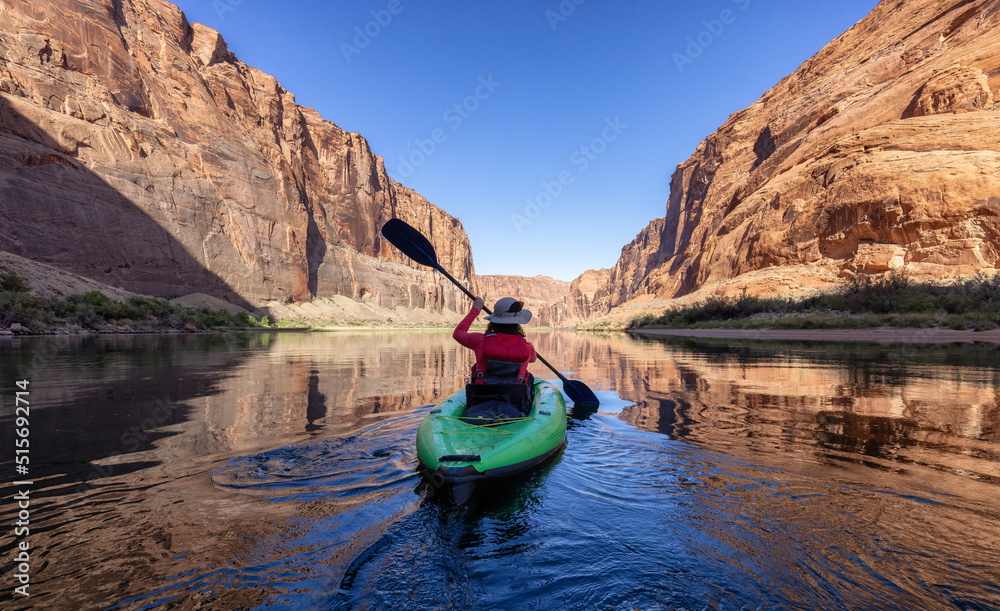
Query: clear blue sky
[480, 105]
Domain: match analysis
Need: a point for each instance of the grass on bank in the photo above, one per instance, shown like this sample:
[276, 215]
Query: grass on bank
[96, 311]
[861, 302]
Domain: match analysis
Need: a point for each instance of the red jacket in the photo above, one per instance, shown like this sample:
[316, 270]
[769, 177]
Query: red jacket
[497, 347]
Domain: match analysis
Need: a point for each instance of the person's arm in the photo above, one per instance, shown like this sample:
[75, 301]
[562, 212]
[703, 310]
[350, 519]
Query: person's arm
[461, 334]
[531, 350]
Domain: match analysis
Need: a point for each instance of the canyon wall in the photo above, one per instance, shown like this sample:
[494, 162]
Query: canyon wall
[554, 303]
[881, 151]
[535, 293]
[137, 150]
[586, 298]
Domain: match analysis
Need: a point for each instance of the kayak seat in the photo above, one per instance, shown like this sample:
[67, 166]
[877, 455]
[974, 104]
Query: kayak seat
[492, 402]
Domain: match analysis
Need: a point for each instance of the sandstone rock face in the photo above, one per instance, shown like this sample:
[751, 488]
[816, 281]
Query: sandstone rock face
[881, 151]
[586, 298]
[639, 256]
[536, 292]
[135, 149]
[553, 303]
[596, 292]
[955, 89]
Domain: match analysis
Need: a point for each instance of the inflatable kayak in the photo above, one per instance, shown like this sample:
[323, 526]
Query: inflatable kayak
[456, 453]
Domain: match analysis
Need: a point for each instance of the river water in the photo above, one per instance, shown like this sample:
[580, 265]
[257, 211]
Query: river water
[279, 470]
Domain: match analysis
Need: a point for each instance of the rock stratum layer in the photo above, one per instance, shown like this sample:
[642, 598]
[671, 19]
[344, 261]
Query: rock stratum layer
[881, 151]
[136, 150]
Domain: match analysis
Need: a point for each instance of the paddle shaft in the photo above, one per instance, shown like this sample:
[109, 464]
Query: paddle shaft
[488, 311]
[413, 244]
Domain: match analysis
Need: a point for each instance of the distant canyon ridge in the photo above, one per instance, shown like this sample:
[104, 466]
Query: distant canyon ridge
[137, 151]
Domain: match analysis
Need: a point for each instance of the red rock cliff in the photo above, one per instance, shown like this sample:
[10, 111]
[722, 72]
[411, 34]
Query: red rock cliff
[882, 150]
[535, 292]
[586, 298]
[136, 149]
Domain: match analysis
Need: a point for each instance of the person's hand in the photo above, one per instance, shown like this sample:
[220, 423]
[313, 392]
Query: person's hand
[478, 303]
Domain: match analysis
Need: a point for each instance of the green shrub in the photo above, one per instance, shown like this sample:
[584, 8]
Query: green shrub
[919, 303]
[94, 309]
[954, 303]
[143, 308]
[91, 307]
[24, 308]
[12, 282]
[215, 318]
[888, 299]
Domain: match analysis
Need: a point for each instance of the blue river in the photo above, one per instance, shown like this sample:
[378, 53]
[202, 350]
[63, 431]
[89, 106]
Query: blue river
[278, 470]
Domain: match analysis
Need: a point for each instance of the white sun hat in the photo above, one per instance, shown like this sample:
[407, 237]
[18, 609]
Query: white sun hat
[509, 311]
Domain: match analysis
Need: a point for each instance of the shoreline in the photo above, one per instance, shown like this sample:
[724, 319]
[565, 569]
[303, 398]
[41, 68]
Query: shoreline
[110, 330]
[881, 335]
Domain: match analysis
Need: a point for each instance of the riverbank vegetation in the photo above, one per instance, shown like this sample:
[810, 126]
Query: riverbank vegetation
[862, 301]
[22, 310]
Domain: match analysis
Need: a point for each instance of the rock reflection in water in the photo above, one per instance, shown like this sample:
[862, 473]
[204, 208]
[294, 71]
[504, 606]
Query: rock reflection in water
[100, 396]
[933, 405]
[124, 428]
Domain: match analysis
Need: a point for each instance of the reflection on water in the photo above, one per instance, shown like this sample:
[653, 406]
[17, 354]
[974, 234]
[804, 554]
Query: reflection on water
[243, 471]
[934, 407]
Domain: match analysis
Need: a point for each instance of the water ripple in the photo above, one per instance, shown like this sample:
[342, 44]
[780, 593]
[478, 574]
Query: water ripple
[710, 477]
[371, 471]
[376, 459]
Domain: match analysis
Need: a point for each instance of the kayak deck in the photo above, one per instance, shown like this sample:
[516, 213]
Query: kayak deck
[456, 453]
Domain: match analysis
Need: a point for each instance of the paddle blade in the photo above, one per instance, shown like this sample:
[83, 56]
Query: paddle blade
[580, 393]
[410, 242]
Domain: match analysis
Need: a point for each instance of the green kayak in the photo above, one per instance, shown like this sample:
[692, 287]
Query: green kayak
[456, 453]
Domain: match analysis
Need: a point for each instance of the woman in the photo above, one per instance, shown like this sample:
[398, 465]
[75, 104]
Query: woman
[502, 355]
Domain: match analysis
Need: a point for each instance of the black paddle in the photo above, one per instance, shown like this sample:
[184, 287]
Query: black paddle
[414, 245]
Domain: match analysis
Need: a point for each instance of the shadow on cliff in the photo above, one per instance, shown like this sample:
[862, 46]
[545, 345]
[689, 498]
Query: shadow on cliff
[55, 210]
